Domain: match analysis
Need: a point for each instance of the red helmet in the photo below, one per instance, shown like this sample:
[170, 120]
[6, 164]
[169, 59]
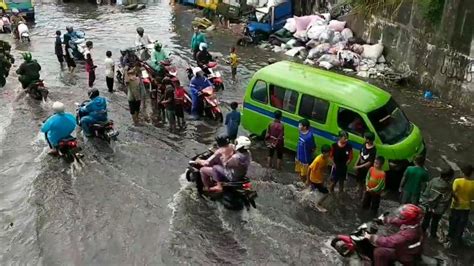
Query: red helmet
[410, 214]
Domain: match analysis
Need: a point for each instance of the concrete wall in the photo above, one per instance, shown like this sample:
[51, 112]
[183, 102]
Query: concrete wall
[441, 55]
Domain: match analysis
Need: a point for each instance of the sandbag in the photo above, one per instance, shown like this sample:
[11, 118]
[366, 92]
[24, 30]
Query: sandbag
[326, 16]
[332, 59]
[347, 34]
[302, 23]
[323, 48]
[290, 25]
[326, 36]
[312, 43]
[325, 65]
[337, 37]
[357, 48]
[337, 25]
[348, 58]
[294, 51]
[372, 52]
[315, 31]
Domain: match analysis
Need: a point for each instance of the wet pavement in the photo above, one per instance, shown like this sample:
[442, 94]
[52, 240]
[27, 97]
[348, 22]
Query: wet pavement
[130, 203]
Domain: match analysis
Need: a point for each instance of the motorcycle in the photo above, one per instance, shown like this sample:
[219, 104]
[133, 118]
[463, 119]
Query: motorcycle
[213, 75]
[37, 90]
[78, 44]
[234, 196]
[210, 104]
[356, 243]
[69, 150]
[102, 130]
[23, 32]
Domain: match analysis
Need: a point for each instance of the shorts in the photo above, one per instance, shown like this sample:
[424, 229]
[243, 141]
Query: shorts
[301, 168]
[70, 61]
[319, 187]
[134, 107]
[234, 71]
[279, 152]
[170, 115]
[339, 173]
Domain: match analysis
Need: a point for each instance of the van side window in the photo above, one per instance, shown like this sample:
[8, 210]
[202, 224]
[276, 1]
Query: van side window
[314, 108]
[259, 92]
[282, 98]
[351, 122]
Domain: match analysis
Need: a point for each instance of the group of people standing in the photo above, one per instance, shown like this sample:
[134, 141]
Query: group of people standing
[434, 195]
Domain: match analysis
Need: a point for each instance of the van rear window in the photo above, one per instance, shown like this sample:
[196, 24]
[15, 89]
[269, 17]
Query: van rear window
[282, 98]
[260, 92]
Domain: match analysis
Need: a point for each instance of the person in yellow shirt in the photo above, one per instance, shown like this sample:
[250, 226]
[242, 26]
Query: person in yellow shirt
[316, 172]
[234, 62]
[463, 195]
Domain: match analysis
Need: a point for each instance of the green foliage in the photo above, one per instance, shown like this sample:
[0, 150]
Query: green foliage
[370, 7]
[432, 10]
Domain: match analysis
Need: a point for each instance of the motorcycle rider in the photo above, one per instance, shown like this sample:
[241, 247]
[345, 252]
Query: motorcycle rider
[197, 84]
[6, 61]
[22, 28]
[28, 71]
[224, 151]
[405, 245]
[203, 57]
[196, 40]
[15, 19]
[94, 111]
[58, 127]
[157, 57]
[142, 41]
[235, 168]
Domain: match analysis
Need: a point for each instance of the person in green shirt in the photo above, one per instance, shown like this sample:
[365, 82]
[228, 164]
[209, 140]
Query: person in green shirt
[413, 182]
[436, 199]
[157, 57]
[196, 40]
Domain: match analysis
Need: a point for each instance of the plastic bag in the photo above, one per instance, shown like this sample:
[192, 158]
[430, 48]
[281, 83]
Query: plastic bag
[337, 25]
[315, 31]
[290, 25]
[337, 37]
[372, 51]
[347, 34]
[326, 65]
[326, 36]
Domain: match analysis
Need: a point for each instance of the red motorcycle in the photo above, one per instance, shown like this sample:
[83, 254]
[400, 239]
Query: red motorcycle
[69, 150]
[213, 75]
[210, 104]
[37, 90]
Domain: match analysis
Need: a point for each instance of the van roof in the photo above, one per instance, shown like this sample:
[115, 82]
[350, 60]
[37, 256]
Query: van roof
[344, 90]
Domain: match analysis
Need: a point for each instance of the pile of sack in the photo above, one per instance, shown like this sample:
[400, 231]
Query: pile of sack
[321, 41]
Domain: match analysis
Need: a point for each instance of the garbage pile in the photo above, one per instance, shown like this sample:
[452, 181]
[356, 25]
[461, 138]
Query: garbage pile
[327, 43]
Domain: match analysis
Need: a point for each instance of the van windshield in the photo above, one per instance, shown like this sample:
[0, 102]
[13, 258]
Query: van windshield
[390, 122]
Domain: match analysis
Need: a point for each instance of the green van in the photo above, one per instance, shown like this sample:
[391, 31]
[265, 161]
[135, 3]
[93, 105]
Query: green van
[331, 102]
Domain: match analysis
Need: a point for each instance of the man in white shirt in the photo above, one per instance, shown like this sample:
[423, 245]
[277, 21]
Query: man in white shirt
[143, 40]
[109, 71]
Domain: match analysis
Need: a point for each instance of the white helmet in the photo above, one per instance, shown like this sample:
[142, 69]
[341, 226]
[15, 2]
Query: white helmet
[202, 46]
[58, 107]
[242, 142]
[15, 11]
[197, 70]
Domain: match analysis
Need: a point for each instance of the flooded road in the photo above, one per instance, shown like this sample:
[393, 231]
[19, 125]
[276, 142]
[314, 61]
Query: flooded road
[130, 204]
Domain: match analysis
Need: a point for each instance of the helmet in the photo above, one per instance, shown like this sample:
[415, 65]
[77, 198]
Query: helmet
[202, 46]
[21, 22]
[158, 46]
[93, 93]
[27, 56]
[410, 214]
[242, 142]
[15, 11]
[69, 29]
[140, 30]
[58, 107]
[222, 140]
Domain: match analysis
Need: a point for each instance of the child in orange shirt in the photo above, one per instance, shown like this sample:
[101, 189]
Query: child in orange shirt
[316, 172]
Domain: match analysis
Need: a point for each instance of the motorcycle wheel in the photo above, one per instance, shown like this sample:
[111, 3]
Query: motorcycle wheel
[232, 201]
[220, 87]
[218, 117]
[69, 157]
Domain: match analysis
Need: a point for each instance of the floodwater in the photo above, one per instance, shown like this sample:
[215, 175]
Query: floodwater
[130, 204]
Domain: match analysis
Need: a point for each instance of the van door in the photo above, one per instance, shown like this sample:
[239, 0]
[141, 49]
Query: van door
[317, 111]
[356, 124]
